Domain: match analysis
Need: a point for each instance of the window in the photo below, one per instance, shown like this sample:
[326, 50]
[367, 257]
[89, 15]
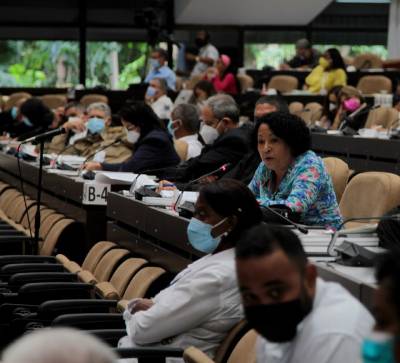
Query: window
[115, 65]
[38, 63]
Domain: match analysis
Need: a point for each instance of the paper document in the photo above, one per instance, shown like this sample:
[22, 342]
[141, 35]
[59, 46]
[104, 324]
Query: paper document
[111, 177]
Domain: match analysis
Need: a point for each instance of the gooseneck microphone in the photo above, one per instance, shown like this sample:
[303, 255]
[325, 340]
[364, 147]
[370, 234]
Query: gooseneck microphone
[224, 168]
[299, 227]
[45, 136]
[116, 141]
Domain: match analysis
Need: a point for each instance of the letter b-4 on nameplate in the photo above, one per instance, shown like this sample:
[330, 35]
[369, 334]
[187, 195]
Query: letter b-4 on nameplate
[95, 193]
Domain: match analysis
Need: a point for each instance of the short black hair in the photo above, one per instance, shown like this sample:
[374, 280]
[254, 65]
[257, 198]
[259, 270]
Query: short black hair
[205, 86]
[337, 60]
[388, 273]
[263, 239]
[229, 197]
[140, 114]
[290, 128]
[162, 52]
[277, 101]
[37, 112]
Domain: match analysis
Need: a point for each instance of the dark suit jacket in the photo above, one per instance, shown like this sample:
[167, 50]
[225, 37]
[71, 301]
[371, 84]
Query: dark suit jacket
[228, 148]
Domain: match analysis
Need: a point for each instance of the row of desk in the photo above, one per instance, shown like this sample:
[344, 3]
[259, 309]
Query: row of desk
[157, 235]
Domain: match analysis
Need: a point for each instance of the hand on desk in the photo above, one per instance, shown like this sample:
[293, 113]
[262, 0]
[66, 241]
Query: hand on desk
[92, 165]
[141, 305]
[165, 185]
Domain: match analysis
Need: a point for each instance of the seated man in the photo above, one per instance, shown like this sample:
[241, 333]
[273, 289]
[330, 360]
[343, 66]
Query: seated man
[184, 127]
[300, 317]
[222, 115]
[306, 56]
[159, 68]
[156, 97]
[96, 134]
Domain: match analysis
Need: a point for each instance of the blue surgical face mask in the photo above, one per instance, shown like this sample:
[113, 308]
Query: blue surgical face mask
[199, 235]
[155, 63]
[378, 348]
[95, 125]
[14, 113]
[151, 91]
[26, 121]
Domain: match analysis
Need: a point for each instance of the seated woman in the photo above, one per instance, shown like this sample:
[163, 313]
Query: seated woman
[152, 146]
[203, 302]
[350, 100]
[292, 175]
[202, 91]
[220, 76]
[330, 72]
[331, 107]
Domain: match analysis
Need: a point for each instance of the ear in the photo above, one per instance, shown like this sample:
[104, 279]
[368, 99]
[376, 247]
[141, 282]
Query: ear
[108, 121]
[311, 278]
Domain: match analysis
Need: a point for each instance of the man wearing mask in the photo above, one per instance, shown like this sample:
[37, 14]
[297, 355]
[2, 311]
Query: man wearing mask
[383, 344]
[95, 133]
[300, 317]
[207, 56]
[184, 128]
[159, 68]
[156, 97]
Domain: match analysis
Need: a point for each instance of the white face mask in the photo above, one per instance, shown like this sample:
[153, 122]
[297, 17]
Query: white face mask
[132, 136]
[208, 133]
[332, 106]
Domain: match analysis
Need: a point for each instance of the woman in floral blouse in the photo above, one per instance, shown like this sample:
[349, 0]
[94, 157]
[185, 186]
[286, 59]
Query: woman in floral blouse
[291, 174]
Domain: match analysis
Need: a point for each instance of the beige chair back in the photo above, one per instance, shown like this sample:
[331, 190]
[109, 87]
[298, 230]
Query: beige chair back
[7, 198]
[54, 101]
[382, 116]
[296, 108]
[96, 253]
[120, 279]
[283, 84]
[195, 355]
[368, 85]
[246, 82]
[48, 223]
[21, 209]
[231, 339]
[142, 281]
[49, 244]
[370, 194]
[181, 148]
[109, 263]
[312, 112]
[90, 98]
[367, 60]
[14, 98]
[339, 172]
[245, 350]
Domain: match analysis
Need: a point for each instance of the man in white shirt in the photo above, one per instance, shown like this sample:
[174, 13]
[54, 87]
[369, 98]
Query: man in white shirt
[184, 127]
[156, 97]
[207, 56]
[301, 318]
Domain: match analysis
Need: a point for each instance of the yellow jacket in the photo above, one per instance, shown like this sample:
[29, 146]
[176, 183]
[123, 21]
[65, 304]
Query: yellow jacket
[319, 79]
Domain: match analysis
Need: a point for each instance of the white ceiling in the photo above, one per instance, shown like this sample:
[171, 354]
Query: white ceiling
[248, 12]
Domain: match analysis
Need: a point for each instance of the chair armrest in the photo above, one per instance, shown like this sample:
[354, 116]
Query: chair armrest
[122, 305]
[11, 269]
[87, 277]
[53, 308]
[90, 321]
[37, 293]
[107, 291]
[20, 279]
[13, 259]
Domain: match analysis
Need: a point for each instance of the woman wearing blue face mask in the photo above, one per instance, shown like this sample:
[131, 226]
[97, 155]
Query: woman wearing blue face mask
[383, 345]
[202, 303]
[152, 146]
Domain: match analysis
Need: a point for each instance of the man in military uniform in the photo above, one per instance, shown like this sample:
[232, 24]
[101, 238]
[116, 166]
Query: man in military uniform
[94, 136]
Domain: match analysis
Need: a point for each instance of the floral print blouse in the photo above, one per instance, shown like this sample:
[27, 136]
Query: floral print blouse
[306, 188]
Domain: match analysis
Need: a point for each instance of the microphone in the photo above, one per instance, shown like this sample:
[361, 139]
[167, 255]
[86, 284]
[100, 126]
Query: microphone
[299, 227]
[224, 168]
[346, 123]
[362, 255]
[45, 136]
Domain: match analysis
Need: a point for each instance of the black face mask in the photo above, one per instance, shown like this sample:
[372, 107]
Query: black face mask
[200, 42]
[278, 322]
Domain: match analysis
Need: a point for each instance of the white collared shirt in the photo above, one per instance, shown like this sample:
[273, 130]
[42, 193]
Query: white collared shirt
[331, 333]
[199, 307]
[208, 51]
[162, 107]
[194, 146]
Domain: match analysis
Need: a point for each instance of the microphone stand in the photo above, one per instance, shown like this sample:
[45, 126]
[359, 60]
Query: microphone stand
[38, 199]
